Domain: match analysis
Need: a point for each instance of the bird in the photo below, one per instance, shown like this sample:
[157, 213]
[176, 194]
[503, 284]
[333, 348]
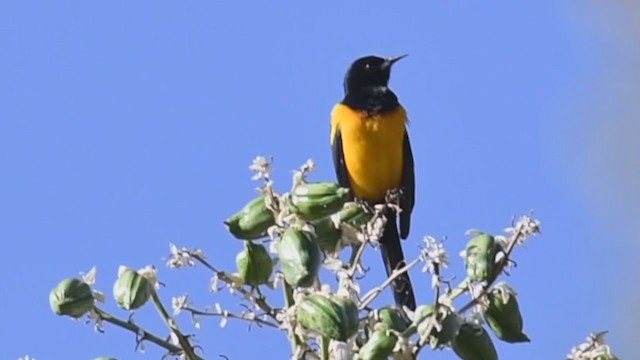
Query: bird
[372, 155]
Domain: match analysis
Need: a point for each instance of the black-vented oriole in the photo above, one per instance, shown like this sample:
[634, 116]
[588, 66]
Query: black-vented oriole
[372, 155]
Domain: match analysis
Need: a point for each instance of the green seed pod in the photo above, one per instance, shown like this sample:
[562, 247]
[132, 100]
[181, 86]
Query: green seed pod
[480, 257]
[327, 234]
[71, 297]
[349, 313]
[354, 215]
[254, 264]
[331, 316]
[504, 317]
[422, 313]
[379, 346]
[474, 343]
[450, 326]
[300, 257]
[313, 201]
[394, 318]
[252, 221]
[131, 290]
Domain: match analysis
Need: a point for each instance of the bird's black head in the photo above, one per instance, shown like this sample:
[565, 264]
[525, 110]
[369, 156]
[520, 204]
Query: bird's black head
[369, 71]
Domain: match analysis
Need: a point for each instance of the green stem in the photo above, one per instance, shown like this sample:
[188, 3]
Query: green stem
[127, 325]
[259, 300]
[289, 302]
[455, 292]
[173, 327]
[324, 348]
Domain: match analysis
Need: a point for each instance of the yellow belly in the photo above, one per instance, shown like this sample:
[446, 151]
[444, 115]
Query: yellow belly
[372, 148]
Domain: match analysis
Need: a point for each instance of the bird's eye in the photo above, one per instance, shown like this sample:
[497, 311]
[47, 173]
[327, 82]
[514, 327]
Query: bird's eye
[367, 66]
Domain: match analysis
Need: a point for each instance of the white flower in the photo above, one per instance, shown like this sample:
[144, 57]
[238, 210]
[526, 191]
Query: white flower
[594, 348]
[375, 227]
[261, 166]
[434, 252]
[309, 165]
[300, 174]
[435, 256]
[180, 257]
[526, 226]
[178, 303]
[90, 277]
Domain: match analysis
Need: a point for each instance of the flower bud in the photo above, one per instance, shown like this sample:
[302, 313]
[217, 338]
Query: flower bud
[300, 257]
[503, 316]
[479, 257]
[131, 290]
[254, 264]
[71, 297]
[252, 221]
[474, 343]
[332, 316]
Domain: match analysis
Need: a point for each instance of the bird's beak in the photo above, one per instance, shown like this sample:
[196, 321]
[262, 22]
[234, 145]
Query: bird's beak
[391, 60]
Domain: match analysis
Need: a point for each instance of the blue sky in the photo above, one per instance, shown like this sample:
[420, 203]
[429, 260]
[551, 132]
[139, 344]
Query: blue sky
[125, 126]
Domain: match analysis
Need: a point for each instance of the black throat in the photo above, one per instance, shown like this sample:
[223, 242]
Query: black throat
[371, 99]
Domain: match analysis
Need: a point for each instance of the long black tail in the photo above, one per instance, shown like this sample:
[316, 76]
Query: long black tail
[393, 258]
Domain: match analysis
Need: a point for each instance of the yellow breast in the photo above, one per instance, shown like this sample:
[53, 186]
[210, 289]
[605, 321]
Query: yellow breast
[372, 148]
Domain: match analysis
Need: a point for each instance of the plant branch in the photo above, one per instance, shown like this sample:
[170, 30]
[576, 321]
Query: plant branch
[434, 317]
[248, 316]
[289, 302]
[356, 259]
[173, 327]
[373, 293]
[128, 325]
[324, 348]
[258, 300]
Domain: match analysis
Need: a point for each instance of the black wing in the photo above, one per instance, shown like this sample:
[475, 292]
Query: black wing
[342, 174]
[408, 188]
